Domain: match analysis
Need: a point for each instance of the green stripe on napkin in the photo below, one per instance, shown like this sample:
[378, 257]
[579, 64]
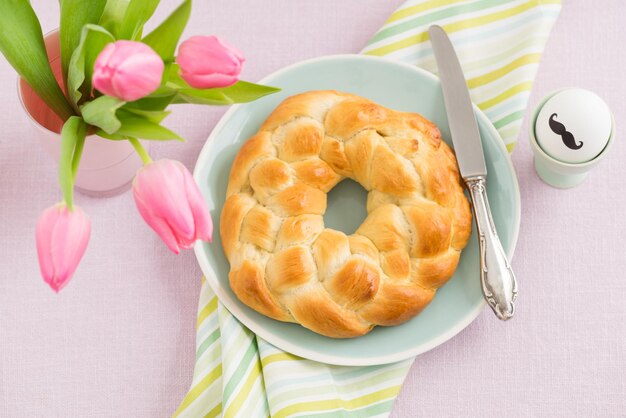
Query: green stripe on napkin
[499, 44]
[238, 374]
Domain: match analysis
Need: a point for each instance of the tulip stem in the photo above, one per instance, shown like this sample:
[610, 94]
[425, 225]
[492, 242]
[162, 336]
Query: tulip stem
[140, 150]
[78, 152]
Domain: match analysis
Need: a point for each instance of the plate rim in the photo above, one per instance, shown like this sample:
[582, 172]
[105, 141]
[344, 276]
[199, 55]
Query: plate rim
[304, 352]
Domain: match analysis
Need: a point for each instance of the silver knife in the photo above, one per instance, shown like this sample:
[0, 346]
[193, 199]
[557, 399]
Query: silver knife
[498, 281]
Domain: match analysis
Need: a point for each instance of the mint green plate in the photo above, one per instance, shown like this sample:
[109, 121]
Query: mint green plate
[398, 86]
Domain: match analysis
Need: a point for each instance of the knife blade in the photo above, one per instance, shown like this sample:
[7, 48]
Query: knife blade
[498, 281]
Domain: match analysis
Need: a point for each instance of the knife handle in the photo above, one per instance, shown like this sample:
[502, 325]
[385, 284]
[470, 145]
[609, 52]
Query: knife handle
[498, 281]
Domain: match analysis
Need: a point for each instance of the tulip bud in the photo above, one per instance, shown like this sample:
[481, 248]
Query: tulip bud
[127, 70]
[62, 236]
[170, 202]
[208, 62]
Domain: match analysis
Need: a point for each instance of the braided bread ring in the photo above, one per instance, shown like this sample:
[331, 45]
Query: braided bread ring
[286, 265]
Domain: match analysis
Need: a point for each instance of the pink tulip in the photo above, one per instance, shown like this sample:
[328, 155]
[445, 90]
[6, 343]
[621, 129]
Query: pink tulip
[62, 237]
[208, 62]
[127, 70]
[170, 202]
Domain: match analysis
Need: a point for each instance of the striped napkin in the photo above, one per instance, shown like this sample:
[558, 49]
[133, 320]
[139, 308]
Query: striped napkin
[238, 374]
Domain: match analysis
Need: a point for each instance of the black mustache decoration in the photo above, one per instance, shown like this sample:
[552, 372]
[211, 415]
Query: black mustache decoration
[567, 137]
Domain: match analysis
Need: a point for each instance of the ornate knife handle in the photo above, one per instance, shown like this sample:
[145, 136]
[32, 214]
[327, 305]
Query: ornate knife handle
[496, 276]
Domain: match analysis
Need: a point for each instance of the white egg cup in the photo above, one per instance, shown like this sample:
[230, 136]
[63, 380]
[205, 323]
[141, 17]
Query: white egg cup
[557, 173]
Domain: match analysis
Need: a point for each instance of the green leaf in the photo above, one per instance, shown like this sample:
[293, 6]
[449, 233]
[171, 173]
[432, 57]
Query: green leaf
[74, 15]
[114, 137]
[158, 100]
[243, 92]
[174, 80]
[165, 37]
[101, 113]
[240, 92]
[137, 14]
[21, 42]
[155, 116]
[113, 15]
[139, 127]
[202, 96]
[73, 133]
[92, 41]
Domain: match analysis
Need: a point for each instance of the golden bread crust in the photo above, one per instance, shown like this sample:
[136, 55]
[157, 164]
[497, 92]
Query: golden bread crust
[285, 264]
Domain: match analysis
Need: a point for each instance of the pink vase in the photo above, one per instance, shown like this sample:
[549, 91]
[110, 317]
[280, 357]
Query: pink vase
[106, 167]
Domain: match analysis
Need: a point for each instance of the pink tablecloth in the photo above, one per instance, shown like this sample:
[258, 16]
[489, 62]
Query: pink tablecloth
[119, 340]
